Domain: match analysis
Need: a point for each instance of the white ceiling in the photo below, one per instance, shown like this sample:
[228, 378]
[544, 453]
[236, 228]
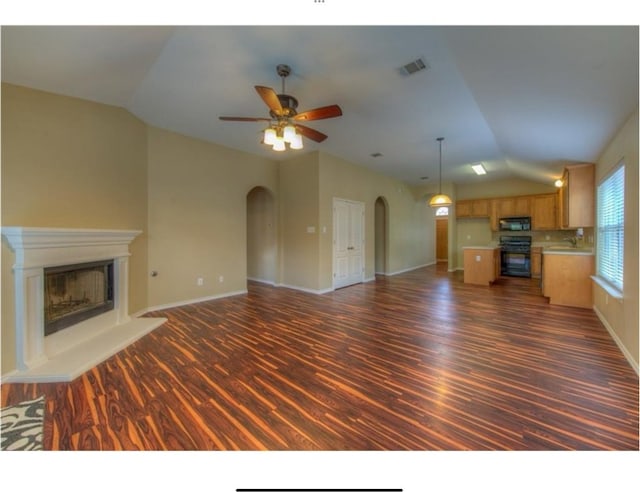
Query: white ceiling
[523, 100]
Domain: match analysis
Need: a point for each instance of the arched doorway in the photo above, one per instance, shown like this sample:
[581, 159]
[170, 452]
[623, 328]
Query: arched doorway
[261, 236]
[381, 235]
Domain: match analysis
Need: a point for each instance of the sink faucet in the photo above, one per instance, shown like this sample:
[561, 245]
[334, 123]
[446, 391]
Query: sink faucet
[572, 240]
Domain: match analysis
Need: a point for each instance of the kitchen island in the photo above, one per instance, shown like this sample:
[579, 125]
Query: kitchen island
[481, 264]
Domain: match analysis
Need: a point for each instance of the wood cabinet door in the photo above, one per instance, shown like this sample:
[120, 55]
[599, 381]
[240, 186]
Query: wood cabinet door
[543, 212]
[493, 215]
[463, 208]
[522, 206]
[580, 196]
[480, 208]
[506, 207]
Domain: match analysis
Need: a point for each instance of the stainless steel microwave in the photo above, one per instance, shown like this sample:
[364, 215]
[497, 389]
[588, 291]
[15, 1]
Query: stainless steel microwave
[515, 224]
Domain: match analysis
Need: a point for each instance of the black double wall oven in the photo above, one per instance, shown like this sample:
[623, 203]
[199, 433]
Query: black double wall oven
[515, 254]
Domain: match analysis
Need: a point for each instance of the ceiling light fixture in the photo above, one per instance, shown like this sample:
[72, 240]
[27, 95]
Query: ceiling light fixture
[440, 200]
[282, 132]
[558, 183]
[479, 169]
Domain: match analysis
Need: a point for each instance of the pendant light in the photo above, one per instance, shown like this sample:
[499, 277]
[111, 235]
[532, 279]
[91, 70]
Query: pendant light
[440, 200]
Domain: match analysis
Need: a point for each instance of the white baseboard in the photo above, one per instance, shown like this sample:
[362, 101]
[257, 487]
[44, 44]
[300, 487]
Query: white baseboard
[262, 281]
[6, 378]
[188, 301]
[306, 289]
[410, 269]
[623, 349]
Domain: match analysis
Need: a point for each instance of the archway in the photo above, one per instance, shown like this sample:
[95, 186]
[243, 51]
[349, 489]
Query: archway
[261, 236]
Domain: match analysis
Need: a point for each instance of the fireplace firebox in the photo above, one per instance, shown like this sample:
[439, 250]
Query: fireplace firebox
[74, 293]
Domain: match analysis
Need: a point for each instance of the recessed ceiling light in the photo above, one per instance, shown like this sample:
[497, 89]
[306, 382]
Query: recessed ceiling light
[479, 169]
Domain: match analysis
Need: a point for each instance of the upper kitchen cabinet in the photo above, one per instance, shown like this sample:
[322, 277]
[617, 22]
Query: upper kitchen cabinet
[516, 206]
[577, 197]
[543, 212]
[472, 208]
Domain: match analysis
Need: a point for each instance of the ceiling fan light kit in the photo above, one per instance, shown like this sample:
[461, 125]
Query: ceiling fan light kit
[283, 126]
[440, 200]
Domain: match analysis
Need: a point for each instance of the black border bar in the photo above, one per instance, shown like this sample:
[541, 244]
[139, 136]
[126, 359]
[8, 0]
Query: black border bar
[318, 490]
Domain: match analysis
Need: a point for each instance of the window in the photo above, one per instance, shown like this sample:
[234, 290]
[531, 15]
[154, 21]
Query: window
[442, 211]
[610, 223]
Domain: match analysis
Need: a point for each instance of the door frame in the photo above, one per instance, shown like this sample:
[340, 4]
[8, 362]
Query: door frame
[333, 247]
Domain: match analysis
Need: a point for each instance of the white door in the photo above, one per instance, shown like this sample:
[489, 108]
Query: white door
[348, 242]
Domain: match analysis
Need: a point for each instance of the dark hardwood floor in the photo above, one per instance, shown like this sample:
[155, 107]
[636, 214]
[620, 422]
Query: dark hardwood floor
[417, 361]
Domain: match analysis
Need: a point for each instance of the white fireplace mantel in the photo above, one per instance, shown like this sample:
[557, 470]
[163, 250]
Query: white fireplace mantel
[66, 354]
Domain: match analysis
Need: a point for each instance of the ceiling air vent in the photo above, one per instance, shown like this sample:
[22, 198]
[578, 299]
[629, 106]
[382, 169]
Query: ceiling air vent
[376, 154]
[413, 67]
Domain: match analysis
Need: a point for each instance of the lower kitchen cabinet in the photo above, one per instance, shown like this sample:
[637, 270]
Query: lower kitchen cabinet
[567, 279]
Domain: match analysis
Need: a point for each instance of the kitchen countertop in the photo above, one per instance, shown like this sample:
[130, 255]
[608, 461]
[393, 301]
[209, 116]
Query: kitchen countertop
[481, 247]
[564, 250]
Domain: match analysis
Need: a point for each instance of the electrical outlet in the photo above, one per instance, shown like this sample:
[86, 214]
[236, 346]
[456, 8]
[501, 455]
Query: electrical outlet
[220, 279]
[200, 281]
[478, 258]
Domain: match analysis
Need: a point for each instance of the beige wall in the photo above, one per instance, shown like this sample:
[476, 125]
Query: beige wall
[198, 215]
[67, 162]
[411, 223]
[299, 211]
[262, 236]
[502, 187]
[622, 316]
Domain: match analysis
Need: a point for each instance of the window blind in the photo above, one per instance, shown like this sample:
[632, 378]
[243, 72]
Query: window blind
[610, 224]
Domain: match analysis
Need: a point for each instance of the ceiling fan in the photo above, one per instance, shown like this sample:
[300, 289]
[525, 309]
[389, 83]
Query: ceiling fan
[284, 126]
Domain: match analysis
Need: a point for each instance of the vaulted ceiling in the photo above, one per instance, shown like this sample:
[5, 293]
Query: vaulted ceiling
[525, 100]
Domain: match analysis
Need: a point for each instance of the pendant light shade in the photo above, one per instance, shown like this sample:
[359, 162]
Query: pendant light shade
[440, 200]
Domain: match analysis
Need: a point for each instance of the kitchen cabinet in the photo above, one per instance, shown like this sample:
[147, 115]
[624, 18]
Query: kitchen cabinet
[567, 278]
[515, 206]
[494, 220]
[481, 264]
[472, 208]
[577, 197]
[536, 261]
[543, 212]
[463, 208]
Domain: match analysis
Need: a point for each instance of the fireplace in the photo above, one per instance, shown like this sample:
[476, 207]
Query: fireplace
[71, 300]
[74, 293]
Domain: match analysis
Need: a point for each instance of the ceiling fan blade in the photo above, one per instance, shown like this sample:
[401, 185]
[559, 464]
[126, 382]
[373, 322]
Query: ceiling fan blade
[319, 113]
[270, 98]
[240, 118]
[310, 133]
